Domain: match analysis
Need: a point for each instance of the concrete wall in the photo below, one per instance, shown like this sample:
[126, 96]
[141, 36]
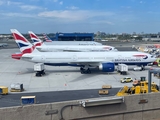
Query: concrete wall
[131, 109]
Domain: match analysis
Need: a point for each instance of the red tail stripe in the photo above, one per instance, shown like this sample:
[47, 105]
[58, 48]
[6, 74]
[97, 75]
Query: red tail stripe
[48, 40]
[18, 37]
[33, 36]
[17, 56]
[38, 44]
[29, 50]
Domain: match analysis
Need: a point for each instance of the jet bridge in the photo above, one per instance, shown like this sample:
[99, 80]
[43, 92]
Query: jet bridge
[150, 71]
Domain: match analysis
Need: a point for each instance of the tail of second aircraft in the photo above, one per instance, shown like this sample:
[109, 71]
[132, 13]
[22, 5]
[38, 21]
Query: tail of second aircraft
[47, 39]
[35, 39]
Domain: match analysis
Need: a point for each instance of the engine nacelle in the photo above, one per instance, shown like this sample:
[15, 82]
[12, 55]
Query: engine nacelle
[107, 67]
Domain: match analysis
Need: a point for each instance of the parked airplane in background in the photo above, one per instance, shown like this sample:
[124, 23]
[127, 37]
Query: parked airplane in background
[75, 48]
[105, 61]
[3, 44]
[70, 48]
[36, 39]
[47, 39]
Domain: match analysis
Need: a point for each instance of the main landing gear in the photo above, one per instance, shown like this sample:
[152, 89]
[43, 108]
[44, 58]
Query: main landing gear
[85, 71]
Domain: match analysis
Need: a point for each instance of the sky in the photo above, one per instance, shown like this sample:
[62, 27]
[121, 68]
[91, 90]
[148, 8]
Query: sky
[51, 16]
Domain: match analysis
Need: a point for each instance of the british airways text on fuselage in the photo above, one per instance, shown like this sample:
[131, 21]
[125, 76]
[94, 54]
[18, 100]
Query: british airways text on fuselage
[127, 60]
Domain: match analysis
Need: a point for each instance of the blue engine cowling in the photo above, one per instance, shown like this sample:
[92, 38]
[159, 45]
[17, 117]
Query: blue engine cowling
[107, 67]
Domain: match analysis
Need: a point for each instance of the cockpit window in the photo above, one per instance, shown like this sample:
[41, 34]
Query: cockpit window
[151, 56]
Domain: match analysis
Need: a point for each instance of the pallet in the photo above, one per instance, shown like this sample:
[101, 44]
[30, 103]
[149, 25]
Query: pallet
[106, 86]
[14, 90]
[103, 92]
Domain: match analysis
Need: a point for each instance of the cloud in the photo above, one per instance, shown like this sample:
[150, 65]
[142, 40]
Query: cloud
[127, 7]
[34, 0]
[141, 2]
[72, 8]
[30, 7]
[74, 15]
[1, 2]
[102, 22]
[61, 3]
[55, 0]
[7, 2]
[13, 3]
[17, 15]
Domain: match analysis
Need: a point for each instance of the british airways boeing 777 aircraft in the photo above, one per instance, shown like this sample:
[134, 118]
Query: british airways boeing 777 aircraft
[105, 61]
[70, 48]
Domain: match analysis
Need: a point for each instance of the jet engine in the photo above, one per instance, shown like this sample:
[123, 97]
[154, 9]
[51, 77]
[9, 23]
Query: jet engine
[107, 67]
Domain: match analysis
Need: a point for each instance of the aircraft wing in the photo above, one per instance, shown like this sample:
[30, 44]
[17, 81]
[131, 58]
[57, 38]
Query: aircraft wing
[89, 63]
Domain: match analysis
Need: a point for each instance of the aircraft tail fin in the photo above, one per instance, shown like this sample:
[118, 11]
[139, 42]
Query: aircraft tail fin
[24, 45]
[35, 39]
[47, 39]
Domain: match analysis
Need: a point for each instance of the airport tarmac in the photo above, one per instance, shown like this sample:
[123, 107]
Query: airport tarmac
[59, 83]
[58, 78]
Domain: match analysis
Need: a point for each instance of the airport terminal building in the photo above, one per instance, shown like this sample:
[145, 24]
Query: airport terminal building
[74, 37]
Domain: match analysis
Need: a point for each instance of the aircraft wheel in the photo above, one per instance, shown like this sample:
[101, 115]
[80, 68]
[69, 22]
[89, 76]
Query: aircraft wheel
[81, 69]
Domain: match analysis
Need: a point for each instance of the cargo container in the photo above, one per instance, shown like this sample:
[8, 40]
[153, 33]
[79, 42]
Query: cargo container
[103, 92]
[17, 86]
[122, 69]
[3, 90]
[28, 100]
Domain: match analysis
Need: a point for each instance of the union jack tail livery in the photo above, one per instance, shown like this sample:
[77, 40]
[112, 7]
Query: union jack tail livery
[47, 39]
[35, 39]
[24, 45]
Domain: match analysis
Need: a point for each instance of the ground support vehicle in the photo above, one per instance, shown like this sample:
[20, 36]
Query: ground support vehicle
[137, 68]
[3, 90]
[126, 80]
[16, 87]
[139, 87]
[39, 69]
[122, 69]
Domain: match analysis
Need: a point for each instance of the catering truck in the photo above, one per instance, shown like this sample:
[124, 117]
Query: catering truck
[39, 69]
[122, 69]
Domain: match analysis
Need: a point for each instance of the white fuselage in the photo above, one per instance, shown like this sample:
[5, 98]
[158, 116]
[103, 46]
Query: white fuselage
[90, 58]
[74, 48]
[72, 43]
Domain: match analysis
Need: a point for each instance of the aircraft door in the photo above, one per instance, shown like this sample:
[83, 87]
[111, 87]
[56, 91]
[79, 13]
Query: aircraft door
[74, 58]
[43, 58]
